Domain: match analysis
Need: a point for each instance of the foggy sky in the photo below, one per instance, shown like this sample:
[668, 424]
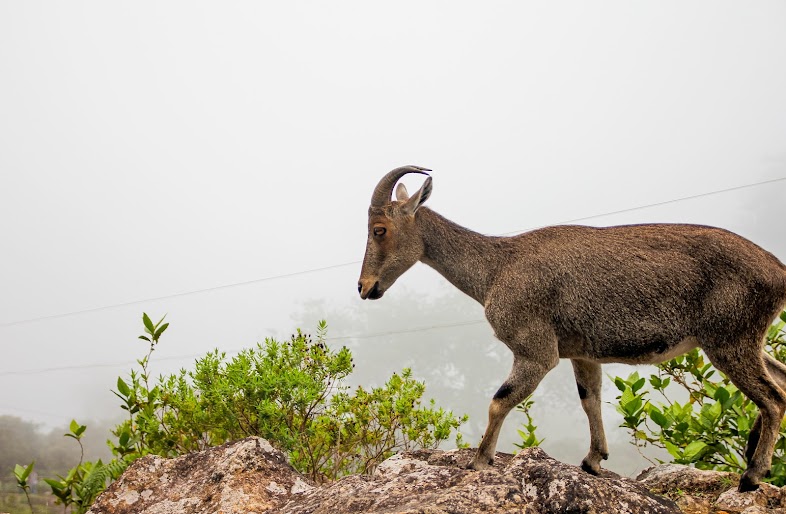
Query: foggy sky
[153, 149]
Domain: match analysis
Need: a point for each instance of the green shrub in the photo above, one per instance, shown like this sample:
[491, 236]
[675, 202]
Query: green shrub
[292, 394]
[710, 429]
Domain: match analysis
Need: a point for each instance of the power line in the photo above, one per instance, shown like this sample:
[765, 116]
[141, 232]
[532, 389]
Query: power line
[175, 295]
[352, 263]
[51, 415]
[408, 330]
[658, 204]
[37, 371]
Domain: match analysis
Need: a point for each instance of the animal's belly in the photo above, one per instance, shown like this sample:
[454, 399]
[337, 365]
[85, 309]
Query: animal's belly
[628, 352]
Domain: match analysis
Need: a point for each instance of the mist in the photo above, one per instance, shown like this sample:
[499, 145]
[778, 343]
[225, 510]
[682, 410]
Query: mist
[214, 163]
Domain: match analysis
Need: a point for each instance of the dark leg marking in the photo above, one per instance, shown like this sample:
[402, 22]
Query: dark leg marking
[588, 469]
[582, 391]
[503, 392]
[753, 440]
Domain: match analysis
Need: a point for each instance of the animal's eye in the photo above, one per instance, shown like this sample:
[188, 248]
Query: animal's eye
[379, 231]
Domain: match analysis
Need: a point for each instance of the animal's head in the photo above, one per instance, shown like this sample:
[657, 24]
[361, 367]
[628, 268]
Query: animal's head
[394, 242]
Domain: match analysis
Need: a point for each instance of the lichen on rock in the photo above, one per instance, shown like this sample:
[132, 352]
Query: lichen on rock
[250, 476]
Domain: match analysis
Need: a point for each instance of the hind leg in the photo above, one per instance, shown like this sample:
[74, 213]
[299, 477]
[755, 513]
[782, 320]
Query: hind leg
[777, 371]
[747, 367]
[588, 380]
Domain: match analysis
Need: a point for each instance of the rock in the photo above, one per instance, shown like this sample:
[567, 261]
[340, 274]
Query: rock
[711, 492]
[670, 478]
[767, 499]
[247, 476]
[431, 481]
[250, 476]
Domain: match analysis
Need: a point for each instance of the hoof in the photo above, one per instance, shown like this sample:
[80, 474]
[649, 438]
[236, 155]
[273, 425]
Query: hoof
[480, 464]
[747, 484]
[589, 468]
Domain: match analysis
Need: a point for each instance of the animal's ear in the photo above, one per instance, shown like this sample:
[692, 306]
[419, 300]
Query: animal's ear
[416, 200]
[401, 193]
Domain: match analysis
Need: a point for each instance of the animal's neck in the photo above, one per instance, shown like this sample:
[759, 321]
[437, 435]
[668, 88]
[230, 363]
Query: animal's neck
[468, 260]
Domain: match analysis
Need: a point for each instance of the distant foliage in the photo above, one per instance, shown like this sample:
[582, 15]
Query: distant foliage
[710, 429]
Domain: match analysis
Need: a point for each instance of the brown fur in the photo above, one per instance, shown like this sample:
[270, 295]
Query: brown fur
[634, 294]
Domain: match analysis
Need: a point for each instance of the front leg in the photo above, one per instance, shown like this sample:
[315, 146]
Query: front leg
[528, 370]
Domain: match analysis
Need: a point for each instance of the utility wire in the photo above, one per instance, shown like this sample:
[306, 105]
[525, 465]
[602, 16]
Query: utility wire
[675, 200]
[175, 295]
[370, 335]
[352, 263]
[314, 270]
[51, 415]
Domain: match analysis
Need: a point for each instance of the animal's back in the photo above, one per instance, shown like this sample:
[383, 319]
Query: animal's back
[643, 289]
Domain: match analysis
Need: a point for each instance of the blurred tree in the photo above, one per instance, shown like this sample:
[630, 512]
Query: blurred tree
[19, 439]
[22, 441]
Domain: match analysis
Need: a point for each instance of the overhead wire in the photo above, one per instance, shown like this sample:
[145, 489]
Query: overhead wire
[314, 270]
[352, 263]
[36, 371]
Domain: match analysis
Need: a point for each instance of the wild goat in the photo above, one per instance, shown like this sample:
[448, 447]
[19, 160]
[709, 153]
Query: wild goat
[638, 294]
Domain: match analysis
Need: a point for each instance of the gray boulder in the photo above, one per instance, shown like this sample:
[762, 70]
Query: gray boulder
[711, 492]
[250, 476]
[247, 476]
[433, 481]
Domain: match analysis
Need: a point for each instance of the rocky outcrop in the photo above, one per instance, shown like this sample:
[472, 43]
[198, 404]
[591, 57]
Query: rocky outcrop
[435, 482]
[246, 476]
[249, 476]
[710, 492]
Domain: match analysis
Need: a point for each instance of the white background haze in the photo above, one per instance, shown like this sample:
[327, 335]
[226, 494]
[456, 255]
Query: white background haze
[150, 149]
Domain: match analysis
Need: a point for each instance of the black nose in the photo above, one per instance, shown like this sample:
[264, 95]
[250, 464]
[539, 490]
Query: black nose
[374, 294]
[360, 287]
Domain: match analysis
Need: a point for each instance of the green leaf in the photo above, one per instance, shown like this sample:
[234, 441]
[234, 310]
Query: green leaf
[712, 412]
[693, 450]
[638, 384]
[145, 338]
[673, 450]
[74, 426]
[721, 394]
[626, 398]
[743, 425]
[160, 330]
[658, 417]
[18, 472]
[148, 324]
[56, 485]
[22, 472]
[122, 387]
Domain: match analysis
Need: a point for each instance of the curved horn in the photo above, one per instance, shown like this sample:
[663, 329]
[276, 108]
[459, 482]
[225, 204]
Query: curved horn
[384, 189]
